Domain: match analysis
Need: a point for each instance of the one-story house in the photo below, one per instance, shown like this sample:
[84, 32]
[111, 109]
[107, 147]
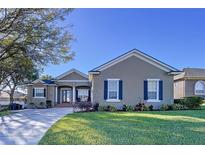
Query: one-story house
[191, 82]
[128, 79]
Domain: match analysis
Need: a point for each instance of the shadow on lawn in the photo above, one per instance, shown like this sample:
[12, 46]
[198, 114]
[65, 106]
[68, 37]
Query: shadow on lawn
[191, 116]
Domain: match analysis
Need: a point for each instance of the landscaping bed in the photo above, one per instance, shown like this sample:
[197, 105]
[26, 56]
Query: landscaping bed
[148, 127]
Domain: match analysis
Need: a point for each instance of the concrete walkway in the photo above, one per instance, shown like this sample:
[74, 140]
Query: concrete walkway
[29, 126]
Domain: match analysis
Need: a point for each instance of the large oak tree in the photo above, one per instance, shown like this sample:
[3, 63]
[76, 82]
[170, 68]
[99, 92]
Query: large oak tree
[37, 34]
[20, 72]
[29, 40]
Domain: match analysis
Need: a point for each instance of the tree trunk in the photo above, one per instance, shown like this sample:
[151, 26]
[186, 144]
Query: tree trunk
[12, 96]
[11, 100]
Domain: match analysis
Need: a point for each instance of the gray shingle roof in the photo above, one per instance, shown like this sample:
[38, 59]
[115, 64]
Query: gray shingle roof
[191, 73]
[194, 72]
[48, 81]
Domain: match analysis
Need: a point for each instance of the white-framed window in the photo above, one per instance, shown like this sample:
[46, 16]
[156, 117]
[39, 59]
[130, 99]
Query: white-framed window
[83, 95]
[200, 88]
[39, 92]
[113, 89]
[153, 90]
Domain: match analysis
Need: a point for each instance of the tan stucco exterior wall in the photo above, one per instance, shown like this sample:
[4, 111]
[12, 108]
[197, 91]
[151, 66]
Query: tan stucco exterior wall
[189, 88]
[73, 76]
[179, 89]
[29, 93]
[184, 88]
[133, 72]
[50, 93]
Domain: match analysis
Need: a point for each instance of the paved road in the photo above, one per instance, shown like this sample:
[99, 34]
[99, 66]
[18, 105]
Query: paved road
[29, 126]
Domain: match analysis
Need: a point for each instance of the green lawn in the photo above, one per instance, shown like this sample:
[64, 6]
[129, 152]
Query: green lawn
[3, 113]
[158, 127]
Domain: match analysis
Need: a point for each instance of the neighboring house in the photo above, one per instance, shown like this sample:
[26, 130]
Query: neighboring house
[19, 97]
[191, 82]
[127, 79]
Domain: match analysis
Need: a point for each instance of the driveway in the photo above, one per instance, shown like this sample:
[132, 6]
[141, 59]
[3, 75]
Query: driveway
[29, 126]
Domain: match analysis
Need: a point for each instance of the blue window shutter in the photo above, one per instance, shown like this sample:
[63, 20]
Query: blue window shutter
[160, 90]
[145, 90]
[120, 90]
[59, 95]
[105, 89]
[76, 95]
[89, 99]
[33, 92]
[44, 92]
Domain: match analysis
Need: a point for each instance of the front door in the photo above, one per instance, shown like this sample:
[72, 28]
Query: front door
[66, 95]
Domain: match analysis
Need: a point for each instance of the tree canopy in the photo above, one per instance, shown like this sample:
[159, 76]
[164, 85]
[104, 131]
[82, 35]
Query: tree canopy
[46, 77]
[36, 34]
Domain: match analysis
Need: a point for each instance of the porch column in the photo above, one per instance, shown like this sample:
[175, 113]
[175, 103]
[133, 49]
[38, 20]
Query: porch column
[56, 91]
[91, 90]
[73, 93]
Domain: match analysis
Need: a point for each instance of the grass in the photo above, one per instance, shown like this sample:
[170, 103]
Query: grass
[3, 113]
[159, 127]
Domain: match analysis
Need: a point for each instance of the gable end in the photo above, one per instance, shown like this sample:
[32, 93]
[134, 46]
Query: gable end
[140, 55]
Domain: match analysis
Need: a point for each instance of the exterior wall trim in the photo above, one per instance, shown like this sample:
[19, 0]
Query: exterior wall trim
[113, 100]
[154, 100]
[35, 92]
[38, 80]
[195, 93]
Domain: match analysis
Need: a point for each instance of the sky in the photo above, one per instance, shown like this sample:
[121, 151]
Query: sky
[174, 36]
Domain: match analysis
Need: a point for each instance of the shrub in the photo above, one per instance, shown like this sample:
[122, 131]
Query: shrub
[164, 107]
[102, 108]
[151, 107]
[177, 101]
[111, 108]
[191, 102]
[96, 106]
[146, 108]
[170, 107]
[128, 108]
[49, 103]
[139, 107]
[83, 106]
[179, 107]
[124, 108]
[108, 108]
[42, 105]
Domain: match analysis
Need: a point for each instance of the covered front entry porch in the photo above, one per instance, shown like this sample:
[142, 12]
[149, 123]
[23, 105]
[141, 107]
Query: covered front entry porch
[72, 92]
